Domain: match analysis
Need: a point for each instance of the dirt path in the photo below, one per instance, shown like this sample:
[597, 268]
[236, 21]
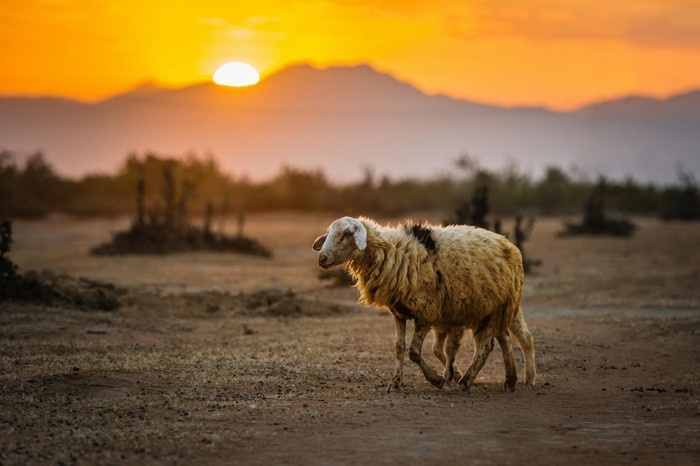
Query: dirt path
[168, 380]
[81, 388]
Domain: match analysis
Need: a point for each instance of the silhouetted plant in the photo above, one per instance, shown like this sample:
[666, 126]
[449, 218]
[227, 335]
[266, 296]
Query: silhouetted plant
[473, 211]
[682, 202]
[32, 189]
[521, 233]
[595, 220]
[48, 288]
[8, 270]
[171, 231]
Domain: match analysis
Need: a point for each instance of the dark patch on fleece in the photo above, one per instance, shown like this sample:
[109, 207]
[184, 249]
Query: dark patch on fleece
[438, 277]
[425, 236]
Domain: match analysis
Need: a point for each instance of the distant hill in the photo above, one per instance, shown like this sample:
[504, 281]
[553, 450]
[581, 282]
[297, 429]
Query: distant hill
[343, 119]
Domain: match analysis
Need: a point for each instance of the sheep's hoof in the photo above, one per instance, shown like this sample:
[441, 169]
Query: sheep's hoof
[509, 385]
[394, 387]
[436, 381]
[449, 377]
[464, 386]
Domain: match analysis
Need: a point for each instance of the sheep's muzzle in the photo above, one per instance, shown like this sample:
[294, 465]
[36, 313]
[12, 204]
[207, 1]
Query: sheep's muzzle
[325, 261]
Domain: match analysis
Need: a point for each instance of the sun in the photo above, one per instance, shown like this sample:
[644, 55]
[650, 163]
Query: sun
[236, 74]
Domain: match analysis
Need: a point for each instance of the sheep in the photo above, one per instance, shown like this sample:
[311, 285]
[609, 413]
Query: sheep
[447, 279]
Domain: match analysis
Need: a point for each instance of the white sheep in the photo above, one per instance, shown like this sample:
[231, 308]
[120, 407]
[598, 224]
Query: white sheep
[447, 279]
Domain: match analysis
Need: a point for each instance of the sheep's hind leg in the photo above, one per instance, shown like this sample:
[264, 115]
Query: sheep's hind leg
[400, 328]
[483, 346]
[509, 362]
[518, 328]
[414, 353]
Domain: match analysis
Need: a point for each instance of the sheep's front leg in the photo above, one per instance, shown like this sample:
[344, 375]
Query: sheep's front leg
[452, 345]
[482, 348]
[400, 328]
[439, 345]
[445, 348]
[414, 353]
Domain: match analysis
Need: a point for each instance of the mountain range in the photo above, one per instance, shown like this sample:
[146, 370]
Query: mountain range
[347, 119]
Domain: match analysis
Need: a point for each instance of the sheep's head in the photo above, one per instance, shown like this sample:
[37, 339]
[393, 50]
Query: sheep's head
[345, 240]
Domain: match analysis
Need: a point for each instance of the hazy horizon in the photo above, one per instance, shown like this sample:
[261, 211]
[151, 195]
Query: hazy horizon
[345, 120]
[160, 85]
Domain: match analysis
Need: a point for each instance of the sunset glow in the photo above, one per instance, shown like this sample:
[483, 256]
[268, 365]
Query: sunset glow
[236, 74]
[556, 53]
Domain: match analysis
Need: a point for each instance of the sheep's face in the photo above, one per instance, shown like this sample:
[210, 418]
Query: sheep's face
[345, 240]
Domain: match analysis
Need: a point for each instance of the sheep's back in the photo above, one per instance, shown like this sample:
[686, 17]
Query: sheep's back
[469, 276]
[480, 273]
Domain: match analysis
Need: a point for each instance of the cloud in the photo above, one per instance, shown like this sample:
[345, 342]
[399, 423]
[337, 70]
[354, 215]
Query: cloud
[646, 23]
[677, 27]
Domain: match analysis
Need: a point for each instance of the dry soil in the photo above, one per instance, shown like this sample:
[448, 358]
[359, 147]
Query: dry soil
[183, 374]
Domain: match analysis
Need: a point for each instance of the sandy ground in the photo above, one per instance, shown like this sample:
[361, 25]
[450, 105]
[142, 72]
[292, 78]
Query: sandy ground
[616, 322]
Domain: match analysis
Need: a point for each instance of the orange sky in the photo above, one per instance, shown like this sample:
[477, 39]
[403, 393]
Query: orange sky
[557, 53]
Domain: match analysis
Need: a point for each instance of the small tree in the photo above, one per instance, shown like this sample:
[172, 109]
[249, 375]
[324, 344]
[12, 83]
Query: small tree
[140, 201]
[473, 211]
[682, 203]
[522, 232]
[595, 220]
[169, 193]
[8, 270]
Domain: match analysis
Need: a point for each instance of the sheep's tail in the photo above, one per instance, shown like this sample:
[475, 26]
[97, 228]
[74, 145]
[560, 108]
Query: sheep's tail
[499, 321]
[512, 308]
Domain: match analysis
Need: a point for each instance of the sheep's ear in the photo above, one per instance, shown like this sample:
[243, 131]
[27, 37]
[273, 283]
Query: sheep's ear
[360, 236]
[318, 244]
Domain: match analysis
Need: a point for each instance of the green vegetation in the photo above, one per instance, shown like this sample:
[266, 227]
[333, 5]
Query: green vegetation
[32, 189]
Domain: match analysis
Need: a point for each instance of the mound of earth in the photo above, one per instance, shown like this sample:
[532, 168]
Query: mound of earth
[54, 289]
[268, 302]
[609, 227]
[161, 238]
[59, 289]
